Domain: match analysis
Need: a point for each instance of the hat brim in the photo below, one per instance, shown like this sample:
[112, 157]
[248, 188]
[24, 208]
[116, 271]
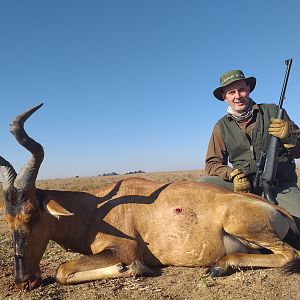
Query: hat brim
[251, 81]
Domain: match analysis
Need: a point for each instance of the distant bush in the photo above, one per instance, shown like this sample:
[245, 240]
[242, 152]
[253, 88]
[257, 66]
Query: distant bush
[128, 173]
[110, 174]
[135, 172]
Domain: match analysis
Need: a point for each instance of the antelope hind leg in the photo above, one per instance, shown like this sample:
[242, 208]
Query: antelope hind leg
[98, 266]
[270, 237]
[281, 255]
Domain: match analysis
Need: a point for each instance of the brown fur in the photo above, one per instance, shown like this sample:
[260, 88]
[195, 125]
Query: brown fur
[181, 223]
[22, 219]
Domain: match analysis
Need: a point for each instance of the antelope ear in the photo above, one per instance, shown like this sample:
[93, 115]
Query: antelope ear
[56, 209]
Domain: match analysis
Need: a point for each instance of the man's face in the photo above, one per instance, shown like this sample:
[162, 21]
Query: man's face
[236, 95]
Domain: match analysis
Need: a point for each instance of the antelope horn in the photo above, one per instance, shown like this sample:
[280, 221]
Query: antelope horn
[8, 173]
[28, 174]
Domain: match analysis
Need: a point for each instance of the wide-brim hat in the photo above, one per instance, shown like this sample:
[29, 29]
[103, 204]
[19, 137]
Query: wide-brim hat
[230, 77]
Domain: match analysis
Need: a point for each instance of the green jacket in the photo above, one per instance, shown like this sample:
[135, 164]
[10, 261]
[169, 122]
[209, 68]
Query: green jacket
[244, 153]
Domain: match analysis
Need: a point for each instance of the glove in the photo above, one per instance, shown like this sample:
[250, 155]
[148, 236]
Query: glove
[241, 184]
[279, 128]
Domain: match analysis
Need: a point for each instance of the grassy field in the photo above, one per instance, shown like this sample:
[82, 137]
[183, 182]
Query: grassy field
[96, 182]
[89, 184]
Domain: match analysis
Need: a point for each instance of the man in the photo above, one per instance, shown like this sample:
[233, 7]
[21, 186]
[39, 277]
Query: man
[242, 134]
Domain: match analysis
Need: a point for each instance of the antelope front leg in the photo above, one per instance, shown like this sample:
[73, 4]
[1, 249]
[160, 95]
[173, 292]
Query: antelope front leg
[98, 266]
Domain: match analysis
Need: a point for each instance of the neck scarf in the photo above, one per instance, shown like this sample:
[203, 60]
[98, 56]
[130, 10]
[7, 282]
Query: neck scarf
[244, 115]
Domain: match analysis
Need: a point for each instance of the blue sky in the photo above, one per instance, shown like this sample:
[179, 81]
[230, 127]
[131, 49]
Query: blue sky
[127, 84]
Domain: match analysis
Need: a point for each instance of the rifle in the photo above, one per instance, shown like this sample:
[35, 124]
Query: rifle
[267, 163]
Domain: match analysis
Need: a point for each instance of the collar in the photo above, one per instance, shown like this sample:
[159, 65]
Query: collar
[255, 108]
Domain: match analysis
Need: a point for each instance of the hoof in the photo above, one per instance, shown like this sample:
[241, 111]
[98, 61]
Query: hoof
[138, 269]
[215, 272]
[122, 267]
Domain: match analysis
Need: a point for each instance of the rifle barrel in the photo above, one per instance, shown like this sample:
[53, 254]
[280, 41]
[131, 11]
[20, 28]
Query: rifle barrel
[288, 63]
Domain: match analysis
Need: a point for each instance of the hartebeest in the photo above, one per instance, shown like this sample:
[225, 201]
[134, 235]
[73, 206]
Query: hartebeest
[137, 223]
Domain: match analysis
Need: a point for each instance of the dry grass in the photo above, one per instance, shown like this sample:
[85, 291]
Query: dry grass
[96, 182]
[93, 183]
